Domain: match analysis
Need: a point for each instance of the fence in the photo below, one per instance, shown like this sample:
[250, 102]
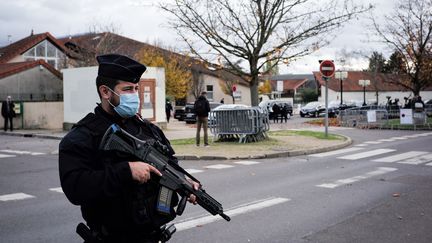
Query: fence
[380, 116]
[246, 124]
[363, 118]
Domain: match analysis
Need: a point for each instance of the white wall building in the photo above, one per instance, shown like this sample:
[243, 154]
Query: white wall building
[80, 94]
[376, 92]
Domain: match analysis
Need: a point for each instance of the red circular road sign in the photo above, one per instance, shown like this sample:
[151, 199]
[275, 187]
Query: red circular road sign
[234, 88]
[327, 68]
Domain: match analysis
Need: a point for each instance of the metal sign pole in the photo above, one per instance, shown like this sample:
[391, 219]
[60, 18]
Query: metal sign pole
[326, 106]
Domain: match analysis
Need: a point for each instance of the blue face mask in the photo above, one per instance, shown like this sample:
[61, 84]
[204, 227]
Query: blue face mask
[128, 106]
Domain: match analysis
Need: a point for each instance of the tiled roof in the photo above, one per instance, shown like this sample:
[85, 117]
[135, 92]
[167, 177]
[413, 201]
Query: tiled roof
[93, 44]
[383, 82]
[8, 69]
[289, 84]
[292, 76]
[17, 48]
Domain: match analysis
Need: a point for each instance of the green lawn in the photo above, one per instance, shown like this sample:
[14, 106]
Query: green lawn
[320, 135]
[396, 123]
[270, 141]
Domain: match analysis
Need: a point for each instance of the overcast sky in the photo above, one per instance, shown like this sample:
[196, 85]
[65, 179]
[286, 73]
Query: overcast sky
[143, 21]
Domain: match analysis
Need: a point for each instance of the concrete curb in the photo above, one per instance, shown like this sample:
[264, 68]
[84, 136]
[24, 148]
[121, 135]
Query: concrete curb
[33, 135]
[348, 141]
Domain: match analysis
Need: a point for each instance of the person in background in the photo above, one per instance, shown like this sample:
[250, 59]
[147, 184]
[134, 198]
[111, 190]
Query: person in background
[168, 110]
[202, 108]
[8, 112]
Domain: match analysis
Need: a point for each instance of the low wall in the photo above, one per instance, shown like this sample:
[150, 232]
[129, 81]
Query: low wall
[39, 115]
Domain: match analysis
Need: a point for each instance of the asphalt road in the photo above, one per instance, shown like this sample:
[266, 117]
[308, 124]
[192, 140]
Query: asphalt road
[373, 191]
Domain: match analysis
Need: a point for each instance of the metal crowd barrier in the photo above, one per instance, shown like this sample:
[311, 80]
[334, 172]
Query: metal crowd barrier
[379, 118]
[245, 124]
[361, 118]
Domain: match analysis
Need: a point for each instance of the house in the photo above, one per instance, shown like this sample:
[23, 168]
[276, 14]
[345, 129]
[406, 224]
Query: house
[208, 77]
[289, 85]
[379, 90]
[29, 72]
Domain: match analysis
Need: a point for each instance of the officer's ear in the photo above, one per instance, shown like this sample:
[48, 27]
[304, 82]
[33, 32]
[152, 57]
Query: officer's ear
[104, 92]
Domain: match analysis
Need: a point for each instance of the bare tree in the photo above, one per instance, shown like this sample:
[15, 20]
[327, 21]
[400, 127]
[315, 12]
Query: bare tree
[258, 31]
[408, 30]
[103, 40]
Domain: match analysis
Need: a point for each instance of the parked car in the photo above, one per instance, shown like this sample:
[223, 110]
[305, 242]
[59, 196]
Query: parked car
[428, 107]
[283, 104]
[179, 113]
[179, 109]
[189, 114]
[335, 107]
[312, 109]
[211, 117]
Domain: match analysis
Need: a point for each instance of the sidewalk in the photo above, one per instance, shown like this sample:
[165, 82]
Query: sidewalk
[292, 145]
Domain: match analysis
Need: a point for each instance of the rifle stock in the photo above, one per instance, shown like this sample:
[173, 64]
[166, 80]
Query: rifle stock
[173, 176]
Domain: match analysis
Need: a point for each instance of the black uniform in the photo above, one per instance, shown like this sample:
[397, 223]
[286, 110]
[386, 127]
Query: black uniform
[101, 181]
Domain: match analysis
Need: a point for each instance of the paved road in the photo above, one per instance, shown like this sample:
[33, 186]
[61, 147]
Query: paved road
[377, 190]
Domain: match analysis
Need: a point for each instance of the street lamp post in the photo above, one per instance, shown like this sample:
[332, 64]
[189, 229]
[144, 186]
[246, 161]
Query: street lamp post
[364, 83]
[341, 76]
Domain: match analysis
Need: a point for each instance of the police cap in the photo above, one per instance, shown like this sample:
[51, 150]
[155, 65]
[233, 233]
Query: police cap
[114, 66]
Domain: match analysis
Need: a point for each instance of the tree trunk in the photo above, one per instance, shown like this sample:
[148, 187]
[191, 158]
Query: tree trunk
[254, 91]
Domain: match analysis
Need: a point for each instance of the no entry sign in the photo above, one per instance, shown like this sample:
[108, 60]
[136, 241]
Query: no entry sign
[327, 68]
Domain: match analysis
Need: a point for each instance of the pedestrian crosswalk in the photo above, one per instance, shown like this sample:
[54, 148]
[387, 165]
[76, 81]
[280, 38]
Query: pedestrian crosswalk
[385, 155]
[399, 157]
[366, 154]
[393, 139]
[379, 171]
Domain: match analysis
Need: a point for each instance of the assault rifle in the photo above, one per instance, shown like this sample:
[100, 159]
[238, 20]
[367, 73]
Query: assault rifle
[173, 176]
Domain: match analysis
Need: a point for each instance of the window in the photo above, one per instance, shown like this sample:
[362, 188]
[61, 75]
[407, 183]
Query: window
[209, 89]
[51, 50]
[40, 49]
[46, 51]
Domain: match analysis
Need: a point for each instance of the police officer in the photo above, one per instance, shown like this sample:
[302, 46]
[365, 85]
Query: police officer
[117, 195]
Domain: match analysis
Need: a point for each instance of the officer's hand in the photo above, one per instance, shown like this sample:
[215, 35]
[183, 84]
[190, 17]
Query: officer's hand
[141, 171]
[196, 186]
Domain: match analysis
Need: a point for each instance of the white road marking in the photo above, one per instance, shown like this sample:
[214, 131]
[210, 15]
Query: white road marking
[379, 171]
[361, 145]
[340, 151]
[193, 171]
[399, 138]
[56, 189]
[410, 136]
[418, 160]
[399, 157]
[6, 156]
[20, 152]
[387, 140]
[366, 154]
[373, 142]
[430, 164]
[246, 162]
[15, 196]
[218, 166]
[257, 205]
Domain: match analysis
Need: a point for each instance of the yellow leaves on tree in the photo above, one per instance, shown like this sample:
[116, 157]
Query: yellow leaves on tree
[177, 79]
[266, 88]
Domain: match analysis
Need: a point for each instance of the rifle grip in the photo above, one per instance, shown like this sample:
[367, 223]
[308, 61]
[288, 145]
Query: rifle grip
[181, 206]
